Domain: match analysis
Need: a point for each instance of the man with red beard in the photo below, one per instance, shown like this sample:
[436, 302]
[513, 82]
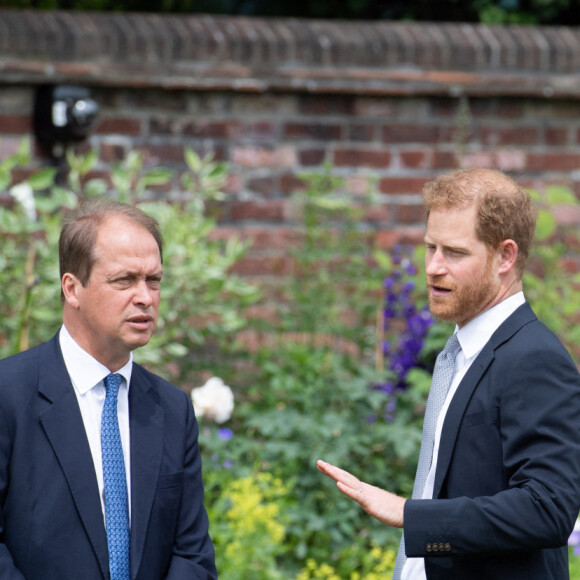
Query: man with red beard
[497, 489]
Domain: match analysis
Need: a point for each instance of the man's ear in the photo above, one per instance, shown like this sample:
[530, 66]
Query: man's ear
[508, 251]
[71, 286]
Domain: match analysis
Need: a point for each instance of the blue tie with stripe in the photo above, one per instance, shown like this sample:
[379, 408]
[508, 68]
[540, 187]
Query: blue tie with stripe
[116, 502]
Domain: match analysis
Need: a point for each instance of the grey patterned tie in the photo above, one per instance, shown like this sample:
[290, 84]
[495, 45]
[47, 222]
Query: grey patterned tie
[442, 377]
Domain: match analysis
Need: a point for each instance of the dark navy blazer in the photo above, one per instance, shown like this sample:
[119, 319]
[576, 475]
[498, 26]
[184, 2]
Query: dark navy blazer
[507, 485]
[51, 520]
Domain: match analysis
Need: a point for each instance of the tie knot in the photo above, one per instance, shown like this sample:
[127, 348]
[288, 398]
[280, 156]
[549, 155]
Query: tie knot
[112, 383]
[452, 347]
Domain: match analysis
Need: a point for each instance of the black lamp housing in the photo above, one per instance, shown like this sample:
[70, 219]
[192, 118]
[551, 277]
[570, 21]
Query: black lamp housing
[63, 113]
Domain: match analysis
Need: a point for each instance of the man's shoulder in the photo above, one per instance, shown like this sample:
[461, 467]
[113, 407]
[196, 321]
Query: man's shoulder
[144, 377]
[28, 359]
[524, 331]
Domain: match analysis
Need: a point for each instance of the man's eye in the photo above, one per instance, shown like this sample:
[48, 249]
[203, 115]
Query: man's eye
[122, 281]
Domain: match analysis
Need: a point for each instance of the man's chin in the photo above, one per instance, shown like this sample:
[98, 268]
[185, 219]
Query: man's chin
[441, 309]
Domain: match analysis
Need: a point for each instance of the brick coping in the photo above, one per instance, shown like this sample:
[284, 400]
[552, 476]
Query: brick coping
[245, 54]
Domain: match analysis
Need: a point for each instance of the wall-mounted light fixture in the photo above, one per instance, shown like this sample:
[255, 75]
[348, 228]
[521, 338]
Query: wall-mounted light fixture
[63, 114]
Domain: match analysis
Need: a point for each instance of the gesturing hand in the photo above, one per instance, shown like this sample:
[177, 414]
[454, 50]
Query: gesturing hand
[379, 503]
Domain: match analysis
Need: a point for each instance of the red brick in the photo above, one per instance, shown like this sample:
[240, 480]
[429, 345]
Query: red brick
[327, 105]
[119, 126]
[15, 124]
[402, 185]
[316, 131]
[556, 136]
[263, 210]
[263, 266]
[377, 213]
[553, 161]
[362, 158]
[308, 157]
[234, 183]
[266, 312]
[258, 131]
[414, 159]
[283, 156]
[410, 214]
[212, 129]
[9, 146]
[359, 184]
[154, 154]
[291, 183]
[510, 109]
[262, 238]
[199, 128]
[567, 215]
[445, 160]
[266, 185]
[407, 133]
[478, 159]
[509, 136]
[112, 152]
[274, 238]
[360, 132]
[386, 239]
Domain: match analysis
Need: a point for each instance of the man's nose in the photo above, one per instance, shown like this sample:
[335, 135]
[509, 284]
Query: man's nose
[435, 263]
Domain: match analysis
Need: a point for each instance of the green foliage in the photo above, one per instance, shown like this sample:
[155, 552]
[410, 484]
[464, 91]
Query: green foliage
[574, 564]
[330, 293]
[310, 396]
[308, 393]
[549, 285]
[202, 302]
[246, 526]
[486, 11]
[29, 278]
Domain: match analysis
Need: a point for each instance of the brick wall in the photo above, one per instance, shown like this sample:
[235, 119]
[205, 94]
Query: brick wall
[387, 105]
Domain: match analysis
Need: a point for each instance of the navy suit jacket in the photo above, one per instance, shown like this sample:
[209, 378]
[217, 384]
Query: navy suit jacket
[51, 520]
[507, 484]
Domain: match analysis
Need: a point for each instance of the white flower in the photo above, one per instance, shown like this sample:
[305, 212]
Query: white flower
[24, 195]
[213, 400]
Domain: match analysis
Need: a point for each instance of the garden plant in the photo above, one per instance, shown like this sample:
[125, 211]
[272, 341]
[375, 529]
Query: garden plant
[342, 372]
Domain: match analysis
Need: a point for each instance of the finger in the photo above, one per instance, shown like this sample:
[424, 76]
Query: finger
[355, 493]
[339, 475]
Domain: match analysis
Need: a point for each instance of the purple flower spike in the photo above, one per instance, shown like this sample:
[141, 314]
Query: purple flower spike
[225, 433]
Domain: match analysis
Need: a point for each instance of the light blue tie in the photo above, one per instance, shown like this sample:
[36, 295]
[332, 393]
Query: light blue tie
[442, 378]
[116, 502]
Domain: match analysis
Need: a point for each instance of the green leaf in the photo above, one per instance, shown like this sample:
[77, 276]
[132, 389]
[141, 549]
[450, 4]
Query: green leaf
[43, 179]
[193, 160]
[545, 226]
[159, 176]
[560, 195]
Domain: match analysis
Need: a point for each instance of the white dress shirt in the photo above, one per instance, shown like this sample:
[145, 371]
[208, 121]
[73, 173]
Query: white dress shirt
[87, 376]
[472, 338]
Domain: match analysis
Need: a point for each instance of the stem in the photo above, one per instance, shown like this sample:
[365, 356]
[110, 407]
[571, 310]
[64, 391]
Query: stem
[23, 342]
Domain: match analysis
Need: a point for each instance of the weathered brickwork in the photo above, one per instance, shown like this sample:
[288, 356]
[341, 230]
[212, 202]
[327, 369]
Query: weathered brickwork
[386, 105]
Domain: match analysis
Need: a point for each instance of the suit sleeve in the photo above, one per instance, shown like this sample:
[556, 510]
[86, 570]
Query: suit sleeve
[193, 553]
[8, 569]
[535, 395]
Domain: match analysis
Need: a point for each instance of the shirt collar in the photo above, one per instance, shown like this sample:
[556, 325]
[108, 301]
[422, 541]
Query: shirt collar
[85, 371]
[475, 334]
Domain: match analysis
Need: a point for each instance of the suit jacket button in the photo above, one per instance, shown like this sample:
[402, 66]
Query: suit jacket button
[428, 548]
[441, 547]
[435, 547]
[448, 547]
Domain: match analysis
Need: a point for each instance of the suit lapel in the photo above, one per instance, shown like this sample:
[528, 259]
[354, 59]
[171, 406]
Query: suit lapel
[467, 387]
[63, 425]
[146, 420]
